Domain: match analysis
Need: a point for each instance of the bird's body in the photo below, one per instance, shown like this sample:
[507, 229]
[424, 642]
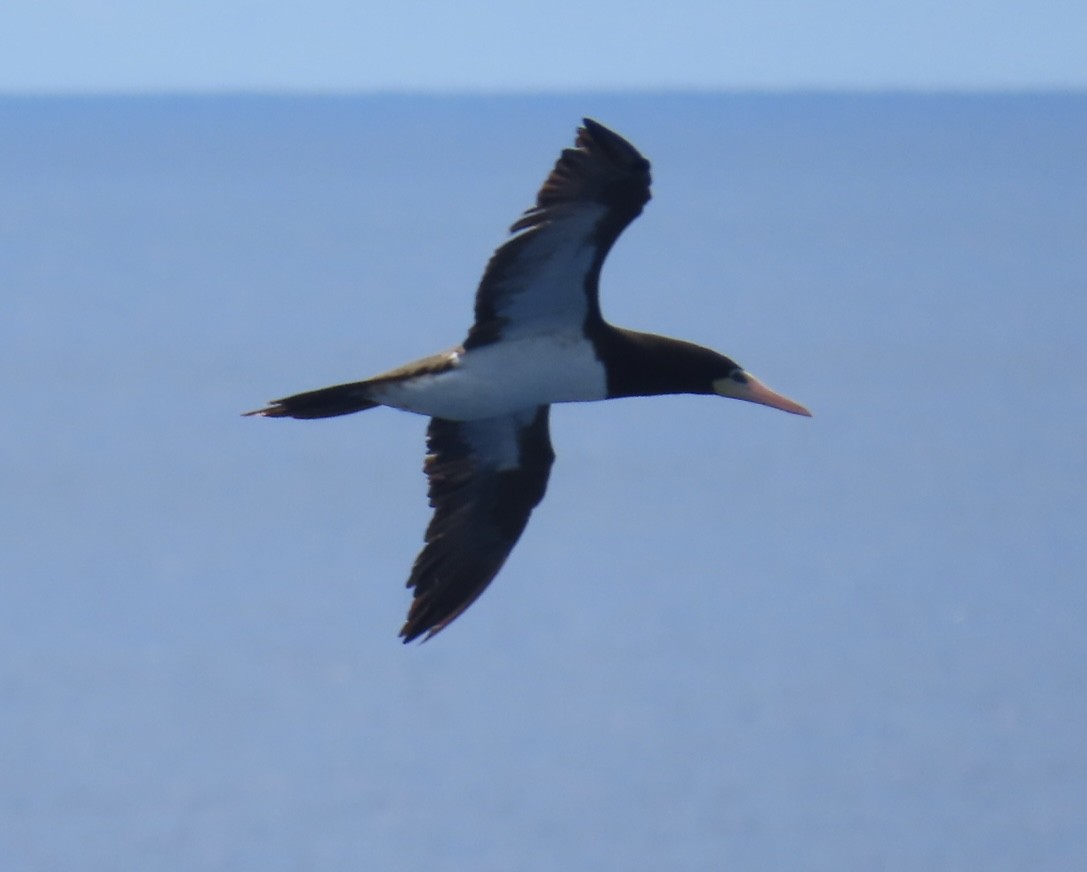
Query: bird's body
[535, 370]
[538, 339]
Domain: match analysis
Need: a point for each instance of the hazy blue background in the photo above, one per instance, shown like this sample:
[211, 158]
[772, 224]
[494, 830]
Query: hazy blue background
[730, 639]
[322, 45]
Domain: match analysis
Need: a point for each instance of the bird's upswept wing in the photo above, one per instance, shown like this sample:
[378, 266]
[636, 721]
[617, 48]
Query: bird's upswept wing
[486, 476]
[546, 276]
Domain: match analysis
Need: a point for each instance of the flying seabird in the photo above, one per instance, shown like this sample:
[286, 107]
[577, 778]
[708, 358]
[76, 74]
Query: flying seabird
[538, 338]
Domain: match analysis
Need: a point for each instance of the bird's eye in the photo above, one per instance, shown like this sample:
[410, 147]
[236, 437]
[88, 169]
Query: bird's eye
[738, 376]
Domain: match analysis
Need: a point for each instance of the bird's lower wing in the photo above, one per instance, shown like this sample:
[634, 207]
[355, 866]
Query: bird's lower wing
[486, 476]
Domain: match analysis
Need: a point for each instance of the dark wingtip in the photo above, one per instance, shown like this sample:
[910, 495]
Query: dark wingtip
[593, 126]
[422, 620]
[618, 148]
[410, 632]
[413, 625]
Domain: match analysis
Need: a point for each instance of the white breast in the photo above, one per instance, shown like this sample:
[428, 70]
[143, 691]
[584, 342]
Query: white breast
[503, 377]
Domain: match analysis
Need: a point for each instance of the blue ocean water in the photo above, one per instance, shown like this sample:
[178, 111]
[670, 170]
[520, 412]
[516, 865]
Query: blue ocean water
[730, 638]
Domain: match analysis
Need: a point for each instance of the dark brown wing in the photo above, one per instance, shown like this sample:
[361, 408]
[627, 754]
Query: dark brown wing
[546, 277]
[486, 476]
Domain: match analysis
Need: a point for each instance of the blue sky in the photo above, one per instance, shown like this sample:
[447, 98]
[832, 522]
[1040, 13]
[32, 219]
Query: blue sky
[428, 45]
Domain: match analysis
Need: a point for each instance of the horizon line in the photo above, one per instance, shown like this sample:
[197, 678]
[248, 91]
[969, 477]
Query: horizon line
[484, 93]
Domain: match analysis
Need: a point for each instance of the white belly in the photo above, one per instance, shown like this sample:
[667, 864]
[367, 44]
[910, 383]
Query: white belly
[501, 378]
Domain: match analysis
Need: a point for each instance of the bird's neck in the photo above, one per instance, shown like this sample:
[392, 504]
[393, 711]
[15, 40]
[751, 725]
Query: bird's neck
[645, 364]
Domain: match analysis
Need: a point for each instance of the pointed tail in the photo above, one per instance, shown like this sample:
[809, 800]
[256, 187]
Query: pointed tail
[323, 403]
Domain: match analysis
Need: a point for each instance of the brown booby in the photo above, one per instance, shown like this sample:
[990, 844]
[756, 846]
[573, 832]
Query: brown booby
[538, 338]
